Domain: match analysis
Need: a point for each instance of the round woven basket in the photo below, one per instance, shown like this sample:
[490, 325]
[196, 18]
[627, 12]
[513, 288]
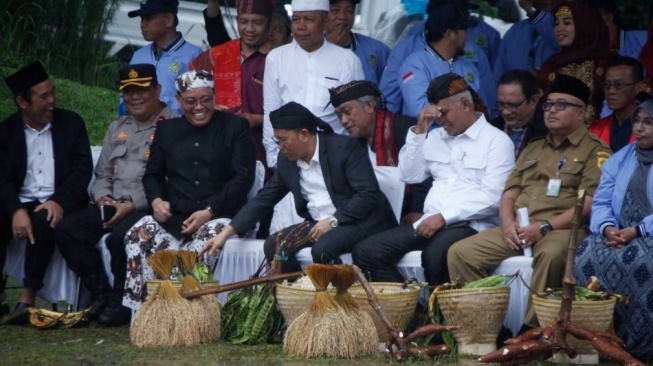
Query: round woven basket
[151, 285]
[591, 315]
[398, 304]
[478, 313]
[294, 301]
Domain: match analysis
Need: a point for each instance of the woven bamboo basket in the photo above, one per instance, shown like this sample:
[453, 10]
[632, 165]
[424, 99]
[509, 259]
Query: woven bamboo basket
[399, 306]
[479, 313]
[151, 285]
[294, 301]
[591, 315]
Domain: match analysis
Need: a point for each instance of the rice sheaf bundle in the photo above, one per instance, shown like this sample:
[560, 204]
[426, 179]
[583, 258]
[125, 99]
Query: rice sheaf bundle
[207, 308]
[361, 323]
[166, 318]
[321, 331]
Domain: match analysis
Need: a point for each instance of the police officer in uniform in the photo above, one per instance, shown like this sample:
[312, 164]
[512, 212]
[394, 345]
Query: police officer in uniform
[546, 180]
[118, 188]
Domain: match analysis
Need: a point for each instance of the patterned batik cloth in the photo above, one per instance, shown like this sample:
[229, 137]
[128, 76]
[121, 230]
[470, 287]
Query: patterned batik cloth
[627, 271]
[147, 237]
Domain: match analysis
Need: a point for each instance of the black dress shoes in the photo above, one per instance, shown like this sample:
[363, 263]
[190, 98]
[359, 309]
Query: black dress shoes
[115, 314]
[4, 308]
[99, 289]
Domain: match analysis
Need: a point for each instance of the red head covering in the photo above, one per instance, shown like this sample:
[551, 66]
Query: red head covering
[591, 39]
[591, 43]
[261, 7]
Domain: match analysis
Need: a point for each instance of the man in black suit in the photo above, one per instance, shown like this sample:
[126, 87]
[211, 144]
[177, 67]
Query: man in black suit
[332, 181]
[46, 166]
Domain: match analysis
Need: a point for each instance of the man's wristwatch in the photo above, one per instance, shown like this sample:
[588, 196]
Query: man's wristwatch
[208, 208]
[545, 228]
[333, 222]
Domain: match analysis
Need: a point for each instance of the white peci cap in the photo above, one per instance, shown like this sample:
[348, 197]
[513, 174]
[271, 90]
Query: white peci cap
[310, 5]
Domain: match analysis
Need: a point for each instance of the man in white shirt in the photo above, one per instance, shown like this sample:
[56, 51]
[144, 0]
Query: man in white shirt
[45, 168]
[304, 71]
[332, 181]
[469, 161]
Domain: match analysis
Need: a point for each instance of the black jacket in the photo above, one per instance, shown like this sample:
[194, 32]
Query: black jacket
[195, 167]
[73, 162]
[349, 178]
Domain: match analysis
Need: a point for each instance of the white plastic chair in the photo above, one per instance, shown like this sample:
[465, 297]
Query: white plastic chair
[239, 260]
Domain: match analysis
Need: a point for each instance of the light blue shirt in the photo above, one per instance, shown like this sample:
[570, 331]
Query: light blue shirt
[416, 41]
[172, 61]
[421, 67]
[373, 55]
[487, 39]
[526, 45]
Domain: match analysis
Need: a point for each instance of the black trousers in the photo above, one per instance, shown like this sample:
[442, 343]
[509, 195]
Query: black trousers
[379, 254]
[5, 237]
[327, 249]
[37, 256]
[77, 234]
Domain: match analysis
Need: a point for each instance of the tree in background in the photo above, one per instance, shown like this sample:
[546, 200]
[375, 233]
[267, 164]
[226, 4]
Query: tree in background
[634, 14]
[66, 35]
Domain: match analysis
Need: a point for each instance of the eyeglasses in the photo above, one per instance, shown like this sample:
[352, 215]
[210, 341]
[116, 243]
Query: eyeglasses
[510, 107]
[646, 122]
[205, 101]
[560, 105]
[618, 85]
[282, 144]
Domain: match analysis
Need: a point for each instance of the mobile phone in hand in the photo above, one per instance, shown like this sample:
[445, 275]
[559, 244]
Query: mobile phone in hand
[107, 212]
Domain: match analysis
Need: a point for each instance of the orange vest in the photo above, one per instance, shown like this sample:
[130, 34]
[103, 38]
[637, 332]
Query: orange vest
[602, 128]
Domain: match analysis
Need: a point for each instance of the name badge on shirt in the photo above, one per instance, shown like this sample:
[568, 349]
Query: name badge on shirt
[553, 188]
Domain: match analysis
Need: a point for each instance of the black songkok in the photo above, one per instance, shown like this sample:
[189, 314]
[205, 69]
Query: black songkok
[294, 116]
[566, 84]
[25, 78]
[353, 90]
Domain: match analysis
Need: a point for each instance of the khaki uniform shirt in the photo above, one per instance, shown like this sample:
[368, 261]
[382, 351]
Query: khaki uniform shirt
[120, 168]
[538, 163]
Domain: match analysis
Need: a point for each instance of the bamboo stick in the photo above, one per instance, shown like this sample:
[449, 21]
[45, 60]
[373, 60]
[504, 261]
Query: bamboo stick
[242, 284]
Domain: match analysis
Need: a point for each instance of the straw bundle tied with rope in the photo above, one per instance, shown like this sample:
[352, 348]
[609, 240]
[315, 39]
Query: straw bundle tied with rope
[361, 322]
[207, 308]
[166, 318]
[322, 330]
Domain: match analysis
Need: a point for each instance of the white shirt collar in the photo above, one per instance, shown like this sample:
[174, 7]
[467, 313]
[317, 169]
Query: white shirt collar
[475, 129]
[316, 155]
[299, 48]
[27, 128]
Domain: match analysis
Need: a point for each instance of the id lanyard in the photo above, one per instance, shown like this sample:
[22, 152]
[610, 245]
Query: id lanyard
[553, 188]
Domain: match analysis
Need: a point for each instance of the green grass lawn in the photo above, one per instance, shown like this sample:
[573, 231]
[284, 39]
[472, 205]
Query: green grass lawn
[94, 345]
[98, 106]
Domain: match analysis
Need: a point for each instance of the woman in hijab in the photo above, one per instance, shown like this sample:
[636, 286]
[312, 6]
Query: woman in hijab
[584, 39]
[620, 250]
